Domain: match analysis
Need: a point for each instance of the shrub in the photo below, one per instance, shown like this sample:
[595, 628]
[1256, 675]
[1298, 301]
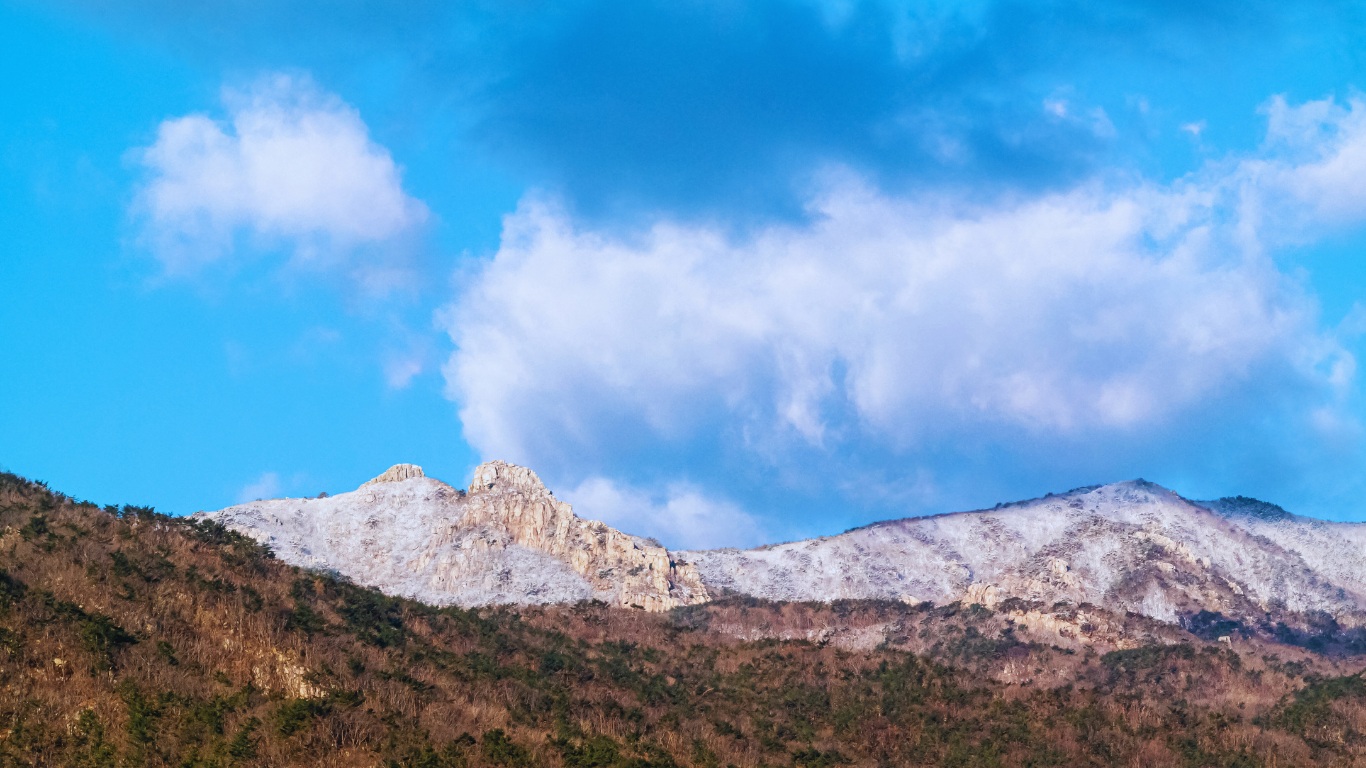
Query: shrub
[293, 715]
[500, 750]
[102, 637]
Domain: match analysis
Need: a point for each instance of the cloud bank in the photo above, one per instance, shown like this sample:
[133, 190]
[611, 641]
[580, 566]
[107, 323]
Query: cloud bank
[292, 167]
[888, 327]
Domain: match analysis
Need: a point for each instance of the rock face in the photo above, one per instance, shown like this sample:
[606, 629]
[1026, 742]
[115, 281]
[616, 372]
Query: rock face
[1125, 547]
[639, 573]
[396, 473]
[508, 540]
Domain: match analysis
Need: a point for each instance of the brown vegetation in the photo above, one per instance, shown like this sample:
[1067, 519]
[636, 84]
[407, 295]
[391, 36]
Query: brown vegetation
[131, 638]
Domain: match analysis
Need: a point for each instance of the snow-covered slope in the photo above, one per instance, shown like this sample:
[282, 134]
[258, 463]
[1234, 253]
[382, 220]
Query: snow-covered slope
[1129, 546]
[1334, 552]
[506, 540]
[1126, 547]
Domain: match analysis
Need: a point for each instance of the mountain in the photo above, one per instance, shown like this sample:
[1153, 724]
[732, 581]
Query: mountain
[129, 638]
[505, 540]
[1131, 547]
[135, 638]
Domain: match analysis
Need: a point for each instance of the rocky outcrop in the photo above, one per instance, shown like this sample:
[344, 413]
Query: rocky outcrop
[639, 573]
[508, 540]
[396, 474]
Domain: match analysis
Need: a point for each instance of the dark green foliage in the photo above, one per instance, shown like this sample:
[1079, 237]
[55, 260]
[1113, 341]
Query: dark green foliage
[814, 758]
[165, 651]
[252, 599]
[972, 644]
[140, 514]
[1209, 625]
[1310, 711]
[102, 637]
[91, 749]
[1321, 633]
[606, 752]
[501, 750]
[406, 679]
[304, 619]
[35, 528]
[122, 566]
[597, 752]
[375, 618]
[10, 642]
[1147, 657]
[142, 717]
[11, 589]
[294, 715]
[243, 744]
[1249, 507]
[233, 547]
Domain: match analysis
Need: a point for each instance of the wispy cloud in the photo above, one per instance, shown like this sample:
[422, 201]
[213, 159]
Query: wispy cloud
[267, 486]
[400, 368]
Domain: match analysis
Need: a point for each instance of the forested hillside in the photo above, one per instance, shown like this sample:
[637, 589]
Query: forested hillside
[132, 638]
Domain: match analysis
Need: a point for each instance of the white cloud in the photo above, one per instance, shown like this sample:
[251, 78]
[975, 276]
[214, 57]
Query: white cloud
[292, 166]
[890, 324]
[267, 486]
[1315, 172]
[682, 516]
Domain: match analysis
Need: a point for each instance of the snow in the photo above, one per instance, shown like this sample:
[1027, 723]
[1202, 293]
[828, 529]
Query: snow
[406, 538]
[1127, 546]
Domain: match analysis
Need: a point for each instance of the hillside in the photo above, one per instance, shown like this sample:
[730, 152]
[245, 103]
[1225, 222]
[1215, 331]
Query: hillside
[130, 638]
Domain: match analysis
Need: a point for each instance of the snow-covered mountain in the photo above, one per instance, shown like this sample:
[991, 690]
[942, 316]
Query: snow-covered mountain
[505, 540]
[1126, 547]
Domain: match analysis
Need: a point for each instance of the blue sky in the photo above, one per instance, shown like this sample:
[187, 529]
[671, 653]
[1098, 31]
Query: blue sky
[722, 273]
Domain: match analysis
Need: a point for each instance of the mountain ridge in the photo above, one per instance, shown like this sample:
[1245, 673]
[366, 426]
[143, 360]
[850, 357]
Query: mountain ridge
[1131, 546]
[1134, 546]
[133, 638]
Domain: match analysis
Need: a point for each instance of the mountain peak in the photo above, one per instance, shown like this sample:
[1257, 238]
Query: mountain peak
[500, 476]
[396, 473]
[1134, 490]
[1245, 506]
[508, 540]
[1139, 484]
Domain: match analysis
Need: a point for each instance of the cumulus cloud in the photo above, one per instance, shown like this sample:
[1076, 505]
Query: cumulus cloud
[681, 516]
[887, 326]
[291, 166]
